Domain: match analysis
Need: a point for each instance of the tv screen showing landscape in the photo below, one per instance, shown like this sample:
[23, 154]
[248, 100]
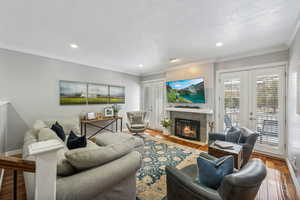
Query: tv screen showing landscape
[186, 91]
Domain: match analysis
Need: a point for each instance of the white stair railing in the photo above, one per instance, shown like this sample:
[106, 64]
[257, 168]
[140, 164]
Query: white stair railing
[46, 162]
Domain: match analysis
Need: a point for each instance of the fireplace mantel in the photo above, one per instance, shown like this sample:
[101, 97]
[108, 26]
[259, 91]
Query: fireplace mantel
[190, 110]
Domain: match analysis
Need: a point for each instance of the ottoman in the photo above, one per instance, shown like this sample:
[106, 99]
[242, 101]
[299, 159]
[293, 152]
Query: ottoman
[112, 138]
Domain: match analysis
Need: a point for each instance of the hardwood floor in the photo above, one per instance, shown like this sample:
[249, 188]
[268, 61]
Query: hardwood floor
[278, 184]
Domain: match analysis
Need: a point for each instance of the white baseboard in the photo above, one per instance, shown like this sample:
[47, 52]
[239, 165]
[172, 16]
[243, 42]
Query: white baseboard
[293, 175]
[13, 152]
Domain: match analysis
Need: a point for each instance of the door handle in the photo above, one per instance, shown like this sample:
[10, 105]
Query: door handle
[252, 118]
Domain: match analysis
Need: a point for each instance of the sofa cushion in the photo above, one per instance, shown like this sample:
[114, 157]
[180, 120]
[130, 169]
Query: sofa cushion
[58, 129]
[64, 168]
[139, 126]
[47, 134]
[39, 124]
[212, 171]
[233, 135]
[75, 141]
[112, 138]
[85, 158]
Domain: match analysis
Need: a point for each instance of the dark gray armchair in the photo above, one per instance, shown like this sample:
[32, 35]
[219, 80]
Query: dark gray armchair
[137, 122]
[244, 184]
[247, 140]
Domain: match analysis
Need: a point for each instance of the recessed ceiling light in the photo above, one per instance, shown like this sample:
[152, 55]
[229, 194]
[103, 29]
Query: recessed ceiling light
[174, 60]
[141, 65]
[74, 46]
[219, 44]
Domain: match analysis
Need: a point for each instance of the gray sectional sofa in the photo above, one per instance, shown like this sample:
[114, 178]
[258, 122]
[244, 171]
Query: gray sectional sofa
[113, 180]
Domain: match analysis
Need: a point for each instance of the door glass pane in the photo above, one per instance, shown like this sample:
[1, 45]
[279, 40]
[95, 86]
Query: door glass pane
[267, 109]
[231, 102]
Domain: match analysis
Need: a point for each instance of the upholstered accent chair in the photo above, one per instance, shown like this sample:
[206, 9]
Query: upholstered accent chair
[244, 184]
[137, 122]
[247, 139]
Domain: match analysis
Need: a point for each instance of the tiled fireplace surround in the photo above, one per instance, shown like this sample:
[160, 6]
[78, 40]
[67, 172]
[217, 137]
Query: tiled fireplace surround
[191, 116]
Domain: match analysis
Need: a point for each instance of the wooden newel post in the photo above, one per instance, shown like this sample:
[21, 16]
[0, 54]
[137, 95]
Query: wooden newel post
[46, 164]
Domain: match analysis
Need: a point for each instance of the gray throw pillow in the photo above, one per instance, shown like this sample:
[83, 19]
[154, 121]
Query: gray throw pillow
[233, 135]
[89, 157]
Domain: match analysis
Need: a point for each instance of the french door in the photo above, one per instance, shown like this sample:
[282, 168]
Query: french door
[153, 103]
[255, 99]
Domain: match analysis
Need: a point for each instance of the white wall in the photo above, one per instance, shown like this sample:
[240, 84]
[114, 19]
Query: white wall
[293, 118]
[30, 83]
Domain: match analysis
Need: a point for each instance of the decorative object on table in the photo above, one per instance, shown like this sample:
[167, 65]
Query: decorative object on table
[82, 115]
[116, 108]
[108, 112]
[166, 124]
[99, 115]
[83, 93]
[137, 122]
[211, 125]
[72, 93]
[223, 145]
[91, 115]
[116, 94]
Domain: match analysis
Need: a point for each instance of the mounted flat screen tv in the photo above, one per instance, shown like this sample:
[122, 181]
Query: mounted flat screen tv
[186, 91]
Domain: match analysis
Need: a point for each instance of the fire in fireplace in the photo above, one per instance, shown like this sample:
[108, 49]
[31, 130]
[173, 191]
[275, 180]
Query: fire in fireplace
[188, 129]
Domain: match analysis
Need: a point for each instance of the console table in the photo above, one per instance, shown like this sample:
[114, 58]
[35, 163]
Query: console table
[92, 122]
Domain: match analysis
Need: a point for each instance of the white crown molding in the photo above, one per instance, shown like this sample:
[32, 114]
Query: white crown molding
[294, 33]
[253, 53]
[59, 58]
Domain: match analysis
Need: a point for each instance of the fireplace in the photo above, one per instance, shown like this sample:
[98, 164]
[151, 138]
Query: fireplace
[188, 129]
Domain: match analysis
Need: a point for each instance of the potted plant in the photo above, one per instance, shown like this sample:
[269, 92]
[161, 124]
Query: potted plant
[166, 124]
[116, 109]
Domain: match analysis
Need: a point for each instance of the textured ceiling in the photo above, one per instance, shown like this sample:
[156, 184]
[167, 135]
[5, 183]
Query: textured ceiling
[120, 35]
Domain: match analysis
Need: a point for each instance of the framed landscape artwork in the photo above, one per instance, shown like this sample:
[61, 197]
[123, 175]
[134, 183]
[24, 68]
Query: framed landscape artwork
[97, 94]
[81, 93]
[72, 93]
[116, 94]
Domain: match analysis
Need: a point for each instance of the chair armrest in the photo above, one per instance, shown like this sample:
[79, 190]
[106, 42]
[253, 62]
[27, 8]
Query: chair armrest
[216, 136]
[180, 186]
[90, 183]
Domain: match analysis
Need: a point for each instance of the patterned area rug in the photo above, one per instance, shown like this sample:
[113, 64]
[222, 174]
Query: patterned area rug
[151, 178]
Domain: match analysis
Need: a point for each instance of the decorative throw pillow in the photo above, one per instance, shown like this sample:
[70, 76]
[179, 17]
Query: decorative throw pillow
[233, 135]
[86, 158]
[75, 142]
[213, 170]
[58, 129]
